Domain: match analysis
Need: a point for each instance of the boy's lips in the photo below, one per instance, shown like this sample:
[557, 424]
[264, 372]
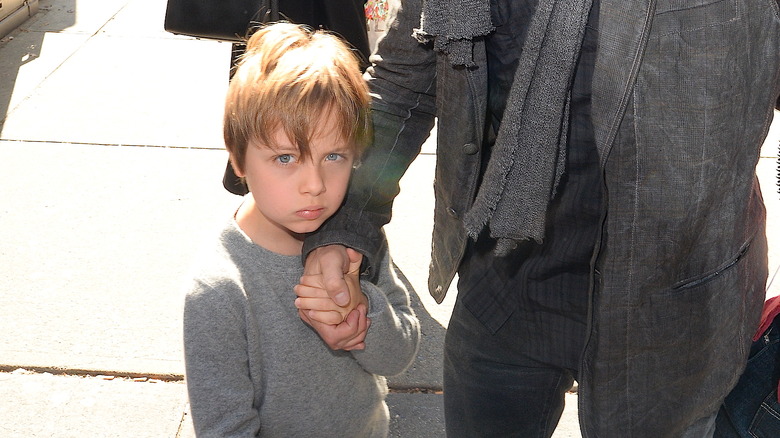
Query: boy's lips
[310, 213]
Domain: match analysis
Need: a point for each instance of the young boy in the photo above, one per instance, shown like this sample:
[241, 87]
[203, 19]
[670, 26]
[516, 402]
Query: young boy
[296, 119]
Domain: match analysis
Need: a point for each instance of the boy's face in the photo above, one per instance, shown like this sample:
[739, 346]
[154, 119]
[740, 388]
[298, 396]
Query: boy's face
[291, 195]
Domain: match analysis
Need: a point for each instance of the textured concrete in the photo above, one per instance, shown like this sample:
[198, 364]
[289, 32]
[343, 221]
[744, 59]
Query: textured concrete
[45, 405]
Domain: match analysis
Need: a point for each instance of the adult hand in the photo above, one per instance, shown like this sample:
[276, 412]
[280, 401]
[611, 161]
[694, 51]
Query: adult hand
[349, 335]
[318, 305]
[333, 262]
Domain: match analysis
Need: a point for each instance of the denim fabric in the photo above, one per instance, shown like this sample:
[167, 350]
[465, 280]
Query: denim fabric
[492, 387]
[751, 410]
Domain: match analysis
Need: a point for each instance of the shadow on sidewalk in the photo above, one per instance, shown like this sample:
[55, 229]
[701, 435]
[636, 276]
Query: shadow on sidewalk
[24, 45]
[425, 373]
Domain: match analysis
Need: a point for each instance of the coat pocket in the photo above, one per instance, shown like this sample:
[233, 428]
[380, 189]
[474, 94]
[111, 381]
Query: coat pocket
[678, 16]
[713, 274]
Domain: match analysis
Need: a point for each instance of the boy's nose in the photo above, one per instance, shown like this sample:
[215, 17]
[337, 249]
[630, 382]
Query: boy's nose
[312, 181]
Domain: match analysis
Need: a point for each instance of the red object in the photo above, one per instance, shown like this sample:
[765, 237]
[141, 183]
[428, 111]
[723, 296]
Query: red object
[771, 309]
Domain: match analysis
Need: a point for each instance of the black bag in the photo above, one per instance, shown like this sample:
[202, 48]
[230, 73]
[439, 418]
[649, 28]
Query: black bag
[224, 20]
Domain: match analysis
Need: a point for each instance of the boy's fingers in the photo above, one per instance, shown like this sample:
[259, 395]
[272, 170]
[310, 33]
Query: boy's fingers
[320, 304]
[358, 323]
[326, 317]
[359, 346]
[336, 337]
[352, 319]
[363, 322]
[325, 310]
[349, 332]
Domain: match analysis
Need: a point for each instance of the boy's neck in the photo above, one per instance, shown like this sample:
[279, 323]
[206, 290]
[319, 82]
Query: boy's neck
[268, 236]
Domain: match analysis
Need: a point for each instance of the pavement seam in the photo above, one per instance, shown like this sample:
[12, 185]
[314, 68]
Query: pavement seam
[162, 377]
[87, 143]
[83, 372]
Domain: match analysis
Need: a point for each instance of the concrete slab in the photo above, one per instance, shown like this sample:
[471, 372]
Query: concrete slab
[416, 415]
[45, 405]
[28, 62]
[97, 243]
[160, 92]
[140, 19]
[74, 16]
[569, 425]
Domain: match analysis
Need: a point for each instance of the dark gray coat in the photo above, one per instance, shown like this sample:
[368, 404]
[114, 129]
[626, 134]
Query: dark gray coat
[683, 92]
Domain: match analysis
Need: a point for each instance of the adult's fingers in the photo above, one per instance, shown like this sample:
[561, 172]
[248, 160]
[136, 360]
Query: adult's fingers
[332, 262]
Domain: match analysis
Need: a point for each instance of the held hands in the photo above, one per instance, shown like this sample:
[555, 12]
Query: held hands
[333, 261]
[331, 277]
[316, 289]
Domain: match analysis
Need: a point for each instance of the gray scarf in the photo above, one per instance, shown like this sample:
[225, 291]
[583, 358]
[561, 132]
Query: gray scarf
[529, 156]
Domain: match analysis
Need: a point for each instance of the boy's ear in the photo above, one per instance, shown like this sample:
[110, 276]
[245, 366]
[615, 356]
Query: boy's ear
[236, 168]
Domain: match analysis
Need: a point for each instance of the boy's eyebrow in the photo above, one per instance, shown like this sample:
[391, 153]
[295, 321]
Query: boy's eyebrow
[285, 147]
[344, 148]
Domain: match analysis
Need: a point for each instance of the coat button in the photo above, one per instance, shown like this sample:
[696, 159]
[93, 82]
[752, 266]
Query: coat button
[470, 148]
[451, 211]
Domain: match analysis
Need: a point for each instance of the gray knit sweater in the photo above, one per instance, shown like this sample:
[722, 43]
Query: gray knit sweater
[254, 368]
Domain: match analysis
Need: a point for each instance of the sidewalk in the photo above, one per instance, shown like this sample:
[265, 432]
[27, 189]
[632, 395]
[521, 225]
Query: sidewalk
[110, 161]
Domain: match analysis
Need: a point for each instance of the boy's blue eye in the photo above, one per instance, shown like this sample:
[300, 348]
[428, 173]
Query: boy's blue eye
[332, 157]
[285, 159]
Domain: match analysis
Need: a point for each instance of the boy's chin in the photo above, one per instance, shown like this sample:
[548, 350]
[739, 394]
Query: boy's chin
[306, 228]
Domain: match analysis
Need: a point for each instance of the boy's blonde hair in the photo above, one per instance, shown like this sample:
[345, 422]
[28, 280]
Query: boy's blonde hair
[291, 77]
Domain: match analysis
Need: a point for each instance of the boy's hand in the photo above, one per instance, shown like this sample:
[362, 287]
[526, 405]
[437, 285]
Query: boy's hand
[316, 303]
[349, 335]
[335, 269]
[332, 261]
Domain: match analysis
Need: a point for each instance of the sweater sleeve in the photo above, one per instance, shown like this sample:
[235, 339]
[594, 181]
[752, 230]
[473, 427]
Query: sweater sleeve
[394, 335]
[216, 362]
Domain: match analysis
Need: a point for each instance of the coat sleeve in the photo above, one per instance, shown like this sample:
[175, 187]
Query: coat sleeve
[220, 390]
[402, 81]
[394, 335]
